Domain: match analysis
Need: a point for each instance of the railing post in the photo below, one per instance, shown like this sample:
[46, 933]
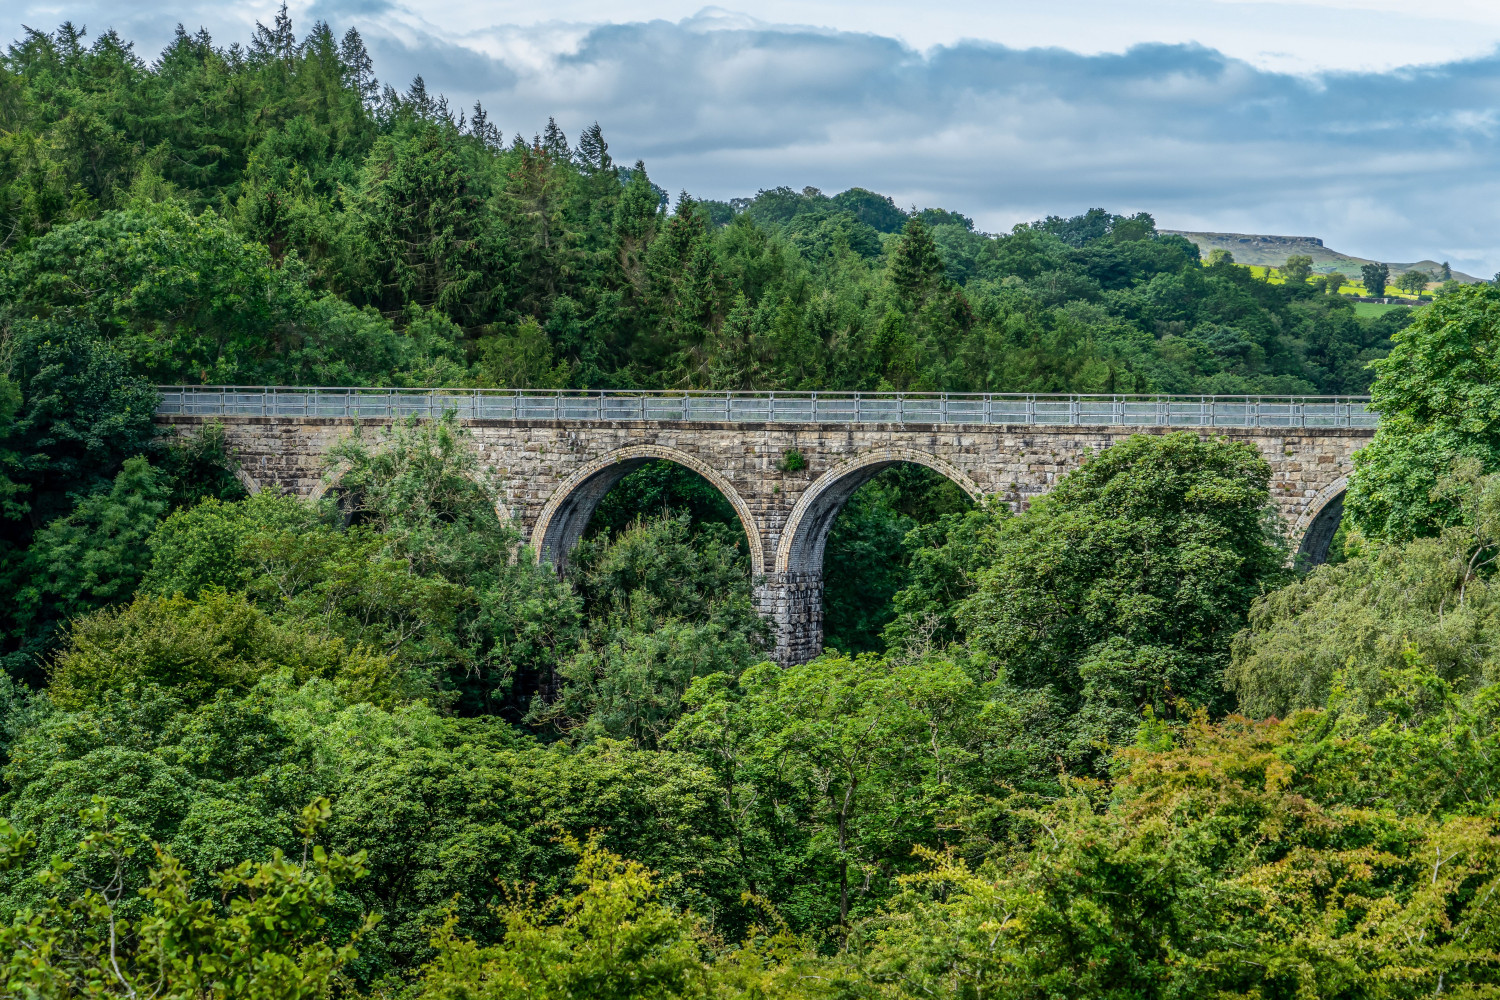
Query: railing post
[901, 408]
[814, 407]
[1030, 409]
[1072, 410]
[944, 409]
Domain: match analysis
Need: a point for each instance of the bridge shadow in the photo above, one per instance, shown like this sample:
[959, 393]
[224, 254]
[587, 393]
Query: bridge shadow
[867, 557]
[1322, 525]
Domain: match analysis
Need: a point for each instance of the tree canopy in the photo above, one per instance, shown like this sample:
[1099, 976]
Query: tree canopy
[1105, 744]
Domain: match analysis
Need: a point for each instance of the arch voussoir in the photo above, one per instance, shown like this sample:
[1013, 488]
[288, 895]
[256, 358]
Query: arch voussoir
[629, 457]
[1313, 532]
[817, 495]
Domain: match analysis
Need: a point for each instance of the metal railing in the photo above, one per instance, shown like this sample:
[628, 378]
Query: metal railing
[761, 407]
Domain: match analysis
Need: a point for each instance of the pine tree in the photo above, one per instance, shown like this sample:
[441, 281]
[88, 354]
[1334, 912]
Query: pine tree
[593, 151]
[359, 69]
[275, 42]
[69, 42]
[638, 214]
[555, 143]
[916, 269]
[481, 128]
[418, 99]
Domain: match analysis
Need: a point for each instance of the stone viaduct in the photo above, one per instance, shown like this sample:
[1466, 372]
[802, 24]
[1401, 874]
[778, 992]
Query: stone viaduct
[788, 472]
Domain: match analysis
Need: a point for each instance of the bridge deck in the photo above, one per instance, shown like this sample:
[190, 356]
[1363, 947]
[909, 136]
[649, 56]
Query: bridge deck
[762, 407]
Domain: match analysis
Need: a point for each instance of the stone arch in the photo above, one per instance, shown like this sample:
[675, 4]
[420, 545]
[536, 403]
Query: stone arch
[1314, 530]
[246, 480]
[566, 514]
[806, 531]
[328, 481]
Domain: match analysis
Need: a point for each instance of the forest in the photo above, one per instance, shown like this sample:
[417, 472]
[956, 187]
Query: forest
[1116, 744]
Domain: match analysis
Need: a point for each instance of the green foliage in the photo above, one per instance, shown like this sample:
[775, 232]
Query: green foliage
[666, 604]
[220, 642]
[864, 565]
[659, 489]
[1436, 397]
[578, 946]
[1209, 873]
[71, 414]
[93, 556]
[414, 563]
[205, 545]
[613, 939]
[82, 414]
[906, 823]
[835, 768]
[1413, 281]
[258, 215]
[874, 540]
[188, 299]
[265, 937]
[1123, 587]
[946, 558]
[1353, 624]
[1375, 278]
[1298, 268]
[200, 467]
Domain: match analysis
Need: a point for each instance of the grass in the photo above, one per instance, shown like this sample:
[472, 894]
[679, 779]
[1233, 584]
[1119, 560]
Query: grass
[1261, 272]
[1369, 309]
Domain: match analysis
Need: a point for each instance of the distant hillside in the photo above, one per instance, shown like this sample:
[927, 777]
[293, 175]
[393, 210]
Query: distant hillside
[1251, 248]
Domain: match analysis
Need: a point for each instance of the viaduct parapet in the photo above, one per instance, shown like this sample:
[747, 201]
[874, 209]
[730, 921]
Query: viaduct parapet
[554, 470]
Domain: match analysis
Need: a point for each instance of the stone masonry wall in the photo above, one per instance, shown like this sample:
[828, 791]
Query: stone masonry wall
[538, 460]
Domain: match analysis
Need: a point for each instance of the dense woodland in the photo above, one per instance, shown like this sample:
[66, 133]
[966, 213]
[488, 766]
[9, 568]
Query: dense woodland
[1113, 745]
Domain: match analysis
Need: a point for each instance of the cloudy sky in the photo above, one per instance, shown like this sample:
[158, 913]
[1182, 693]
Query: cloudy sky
[1370, 123]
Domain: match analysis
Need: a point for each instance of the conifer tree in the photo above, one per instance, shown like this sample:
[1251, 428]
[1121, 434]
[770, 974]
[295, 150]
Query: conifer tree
[482, 129]
[916, 269]
[593, 151]
[555, 142]
[275, 42]
[418, 99]
[359, 69]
